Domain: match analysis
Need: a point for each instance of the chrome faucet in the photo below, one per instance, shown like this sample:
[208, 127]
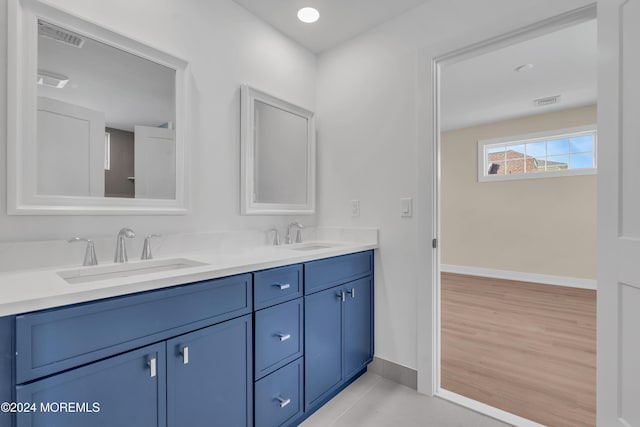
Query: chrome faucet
[276, 236]
[90, 253]
[146, 248]
[121, 248]
[298, 233]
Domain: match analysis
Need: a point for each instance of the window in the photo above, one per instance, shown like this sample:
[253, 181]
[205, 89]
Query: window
[541, 155]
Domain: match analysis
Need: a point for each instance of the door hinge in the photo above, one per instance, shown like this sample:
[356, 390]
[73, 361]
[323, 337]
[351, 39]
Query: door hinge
[434, 243]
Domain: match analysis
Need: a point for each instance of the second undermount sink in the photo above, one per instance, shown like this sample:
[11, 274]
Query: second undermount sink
[93, 274]
[311, 246]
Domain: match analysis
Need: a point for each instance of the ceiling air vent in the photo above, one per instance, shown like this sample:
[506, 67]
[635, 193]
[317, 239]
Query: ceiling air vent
[549, 100]
[52, 32]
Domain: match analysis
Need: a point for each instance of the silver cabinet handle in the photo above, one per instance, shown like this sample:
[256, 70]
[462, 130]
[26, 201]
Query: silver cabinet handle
[342, 295]
[282, 286]
[352, 292]
[185, 355]
[282, 401]
[153, 370]
[283, 337]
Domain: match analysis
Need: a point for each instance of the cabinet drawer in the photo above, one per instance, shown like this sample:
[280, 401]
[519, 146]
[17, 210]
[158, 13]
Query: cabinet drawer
[278, 397]
[55, 340]
[277, 285]
[278, 336]
[326, 273]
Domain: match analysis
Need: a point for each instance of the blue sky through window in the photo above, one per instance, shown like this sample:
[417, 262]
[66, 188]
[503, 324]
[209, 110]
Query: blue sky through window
[575, 151]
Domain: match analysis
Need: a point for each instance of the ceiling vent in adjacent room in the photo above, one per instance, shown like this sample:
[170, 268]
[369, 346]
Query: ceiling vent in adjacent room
[549, 100]
[52, 32]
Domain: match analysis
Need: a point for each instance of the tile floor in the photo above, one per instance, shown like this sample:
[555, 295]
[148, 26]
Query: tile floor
[373, 401]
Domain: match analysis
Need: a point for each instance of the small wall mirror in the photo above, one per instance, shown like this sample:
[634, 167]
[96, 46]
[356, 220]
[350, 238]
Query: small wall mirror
[278, 156]
[98, 126]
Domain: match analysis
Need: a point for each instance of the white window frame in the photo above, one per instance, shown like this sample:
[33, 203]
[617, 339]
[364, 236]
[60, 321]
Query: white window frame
[534, 137]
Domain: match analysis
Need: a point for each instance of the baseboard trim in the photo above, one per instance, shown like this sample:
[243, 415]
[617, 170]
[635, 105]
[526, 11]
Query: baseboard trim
[487, 410]
[397, 373]
[545, 279]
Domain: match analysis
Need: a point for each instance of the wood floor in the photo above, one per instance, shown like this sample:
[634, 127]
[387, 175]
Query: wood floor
[526, 348]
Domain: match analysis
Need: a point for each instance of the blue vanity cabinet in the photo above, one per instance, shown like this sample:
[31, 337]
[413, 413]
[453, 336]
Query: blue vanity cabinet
[171, 357]
[266, 348]
[338, 324]
[209, 376]
[67, 337]
[125, 390]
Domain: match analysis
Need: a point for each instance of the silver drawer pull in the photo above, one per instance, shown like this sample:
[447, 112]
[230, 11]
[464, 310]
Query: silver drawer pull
[185, 355]
[282, 401]
[283, 337]
[283, 286]
[352, 292]
[342, 295]
[153, 371]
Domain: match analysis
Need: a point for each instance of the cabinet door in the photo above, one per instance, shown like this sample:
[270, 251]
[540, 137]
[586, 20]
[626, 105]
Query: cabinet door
[125, 390]
[323, 345]
[358, 321]
[209, 376]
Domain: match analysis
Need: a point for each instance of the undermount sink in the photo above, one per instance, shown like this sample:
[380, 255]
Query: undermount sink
[309, 246]
[94, 274]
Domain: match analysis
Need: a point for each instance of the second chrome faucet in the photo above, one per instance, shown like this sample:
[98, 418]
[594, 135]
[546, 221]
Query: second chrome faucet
[121, 248]
[288, 239]
[299, 227]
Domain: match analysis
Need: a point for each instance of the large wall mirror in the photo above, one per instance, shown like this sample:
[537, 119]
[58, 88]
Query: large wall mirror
[278, 156]
[98, 123]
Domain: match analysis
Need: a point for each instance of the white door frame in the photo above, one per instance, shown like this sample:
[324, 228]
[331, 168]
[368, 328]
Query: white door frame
[555, 23]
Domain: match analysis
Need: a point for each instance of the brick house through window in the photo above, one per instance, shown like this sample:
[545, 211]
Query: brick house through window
[513, 162]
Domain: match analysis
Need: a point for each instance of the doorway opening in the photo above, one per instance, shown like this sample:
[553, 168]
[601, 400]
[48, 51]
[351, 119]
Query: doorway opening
[516, 218]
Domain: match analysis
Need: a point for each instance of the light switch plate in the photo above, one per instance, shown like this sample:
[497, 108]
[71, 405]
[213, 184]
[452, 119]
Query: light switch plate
[406, 205]
[355, 208]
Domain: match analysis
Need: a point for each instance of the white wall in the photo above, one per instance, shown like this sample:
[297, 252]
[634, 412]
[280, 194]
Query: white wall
[226, 46]
[375, 140]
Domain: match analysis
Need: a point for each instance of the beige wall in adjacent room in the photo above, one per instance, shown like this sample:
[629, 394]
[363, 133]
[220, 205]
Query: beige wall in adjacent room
[542, 226]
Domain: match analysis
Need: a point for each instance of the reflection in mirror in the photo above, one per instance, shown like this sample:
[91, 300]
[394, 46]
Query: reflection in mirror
[278, 156]
[105, 121]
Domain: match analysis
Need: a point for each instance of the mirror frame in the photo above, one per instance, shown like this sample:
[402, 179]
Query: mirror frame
[248, 206]
[22, 198]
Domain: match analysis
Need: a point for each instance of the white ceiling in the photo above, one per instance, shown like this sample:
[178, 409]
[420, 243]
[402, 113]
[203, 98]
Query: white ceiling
[487, 89]
[339, 20]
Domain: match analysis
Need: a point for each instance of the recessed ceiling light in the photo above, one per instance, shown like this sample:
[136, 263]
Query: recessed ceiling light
[308, 15]
[522, 68]
[47, 78]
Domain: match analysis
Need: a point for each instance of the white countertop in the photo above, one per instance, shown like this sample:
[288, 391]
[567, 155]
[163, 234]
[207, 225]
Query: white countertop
[36, 289]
